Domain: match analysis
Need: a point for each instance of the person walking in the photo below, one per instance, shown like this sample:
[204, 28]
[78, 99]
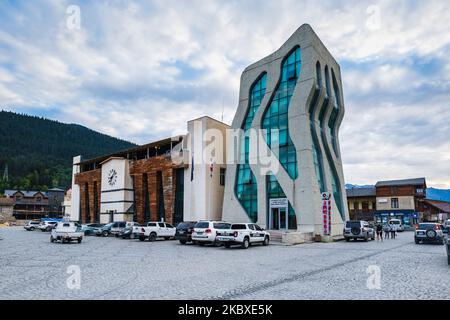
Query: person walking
[379, 232]
[393, 231]
[387, 230]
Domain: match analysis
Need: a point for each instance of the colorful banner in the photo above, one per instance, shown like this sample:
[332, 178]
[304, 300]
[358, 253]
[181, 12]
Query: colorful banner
[326, 213]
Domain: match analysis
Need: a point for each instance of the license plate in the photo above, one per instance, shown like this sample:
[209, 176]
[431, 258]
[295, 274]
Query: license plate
[181, 232]
[421, 232]
[199, 233]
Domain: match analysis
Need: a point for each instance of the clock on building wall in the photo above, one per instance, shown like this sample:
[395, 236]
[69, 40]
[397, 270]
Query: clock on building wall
[112, 177]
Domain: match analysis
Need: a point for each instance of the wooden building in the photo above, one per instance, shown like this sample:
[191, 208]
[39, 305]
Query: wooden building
[361, 203]
[400, 199]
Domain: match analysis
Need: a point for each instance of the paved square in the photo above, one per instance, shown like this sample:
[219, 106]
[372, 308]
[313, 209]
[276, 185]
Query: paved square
[33, 268]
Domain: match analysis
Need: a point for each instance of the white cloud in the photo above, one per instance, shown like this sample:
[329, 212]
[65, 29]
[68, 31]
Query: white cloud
[140, 69]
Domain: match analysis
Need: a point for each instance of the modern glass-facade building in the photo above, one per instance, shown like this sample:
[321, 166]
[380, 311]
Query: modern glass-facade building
[294, 97]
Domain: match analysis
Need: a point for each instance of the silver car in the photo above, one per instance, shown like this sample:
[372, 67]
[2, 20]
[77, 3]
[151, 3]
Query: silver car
[358, 230]
[429, 232]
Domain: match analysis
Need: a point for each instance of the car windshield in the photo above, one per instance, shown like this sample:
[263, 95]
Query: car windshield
[202, 224]
[108, 225]
[394, 222]
[182, 225]
[222, 225]
[353, 224]
[238, 227]
[426, 226]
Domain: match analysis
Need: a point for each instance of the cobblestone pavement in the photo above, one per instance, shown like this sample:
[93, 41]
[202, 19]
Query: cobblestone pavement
[33, 268]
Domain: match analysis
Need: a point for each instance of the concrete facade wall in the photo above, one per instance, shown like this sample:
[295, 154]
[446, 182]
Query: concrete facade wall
[203, 196]
[304, 193]
[119, 196]
[75, 200]
[404, 203]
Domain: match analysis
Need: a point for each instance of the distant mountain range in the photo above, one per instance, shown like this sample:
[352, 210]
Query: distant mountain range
[432, 193]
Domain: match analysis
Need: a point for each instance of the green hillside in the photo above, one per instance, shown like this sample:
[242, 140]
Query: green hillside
[38, 152]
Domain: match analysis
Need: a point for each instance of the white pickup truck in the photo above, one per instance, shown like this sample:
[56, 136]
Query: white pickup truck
[66, 232]
[243, 234]
[154, 230]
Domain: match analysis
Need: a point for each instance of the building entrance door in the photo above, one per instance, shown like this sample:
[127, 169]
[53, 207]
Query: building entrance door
[278, 215]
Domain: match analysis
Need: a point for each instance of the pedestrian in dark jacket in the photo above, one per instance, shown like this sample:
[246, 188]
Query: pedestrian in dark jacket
[379, 232]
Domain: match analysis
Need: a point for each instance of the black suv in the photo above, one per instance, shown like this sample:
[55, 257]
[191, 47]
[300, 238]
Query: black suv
[184, 231]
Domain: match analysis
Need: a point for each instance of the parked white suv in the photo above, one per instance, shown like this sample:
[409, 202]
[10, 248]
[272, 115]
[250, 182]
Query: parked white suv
[397, 225]
[358, 230]
[205, 232]
[31, 225]
[243, 234]
[47, 226]
[154, 230]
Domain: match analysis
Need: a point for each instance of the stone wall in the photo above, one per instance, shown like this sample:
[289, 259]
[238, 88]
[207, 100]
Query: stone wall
[151, 167]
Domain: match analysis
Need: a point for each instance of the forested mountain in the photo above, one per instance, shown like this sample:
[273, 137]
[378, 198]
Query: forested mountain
[38, 152]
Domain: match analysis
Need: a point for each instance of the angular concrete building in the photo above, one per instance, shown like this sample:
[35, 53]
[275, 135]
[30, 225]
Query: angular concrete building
[295, 95]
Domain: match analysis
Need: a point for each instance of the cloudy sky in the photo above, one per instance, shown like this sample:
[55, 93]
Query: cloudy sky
[139, 70]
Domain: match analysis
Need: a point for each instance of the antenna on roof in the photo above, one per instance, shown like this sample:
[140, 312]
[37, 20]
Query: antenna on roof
[223, 107]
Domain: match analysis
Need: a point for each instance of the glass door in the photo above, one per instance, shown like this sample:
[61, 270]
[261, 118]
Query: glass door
[275, 219]
[283, 218]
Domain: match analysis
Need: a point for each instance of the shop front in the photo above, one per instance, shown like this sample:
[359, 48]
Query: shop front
[408, 217]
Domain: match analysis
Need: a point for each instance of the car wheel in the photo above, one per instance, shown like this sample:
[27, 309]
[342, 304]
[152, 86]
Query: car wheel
[266, 241]
[32, 229]
[245, 244]
[227, 245]
[152, 237]
[43, 230]
[217, 243]
[166, 238]
[183, 241]
[194, 242]
[52, 239]
[141, 238]
[79, 240]
[105, 233]
[417, 241]
[448, 260]
[347, 239]
[366, 238]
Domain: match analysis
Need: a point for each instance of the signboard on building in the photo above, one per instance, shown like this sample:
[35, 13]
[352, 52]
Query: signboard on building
[279, 203]
[326, 212]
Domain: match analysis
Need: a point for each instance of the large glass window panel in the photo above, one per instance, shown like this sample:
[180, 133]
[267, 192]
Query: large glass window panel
[276, 115]
[245, 187]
